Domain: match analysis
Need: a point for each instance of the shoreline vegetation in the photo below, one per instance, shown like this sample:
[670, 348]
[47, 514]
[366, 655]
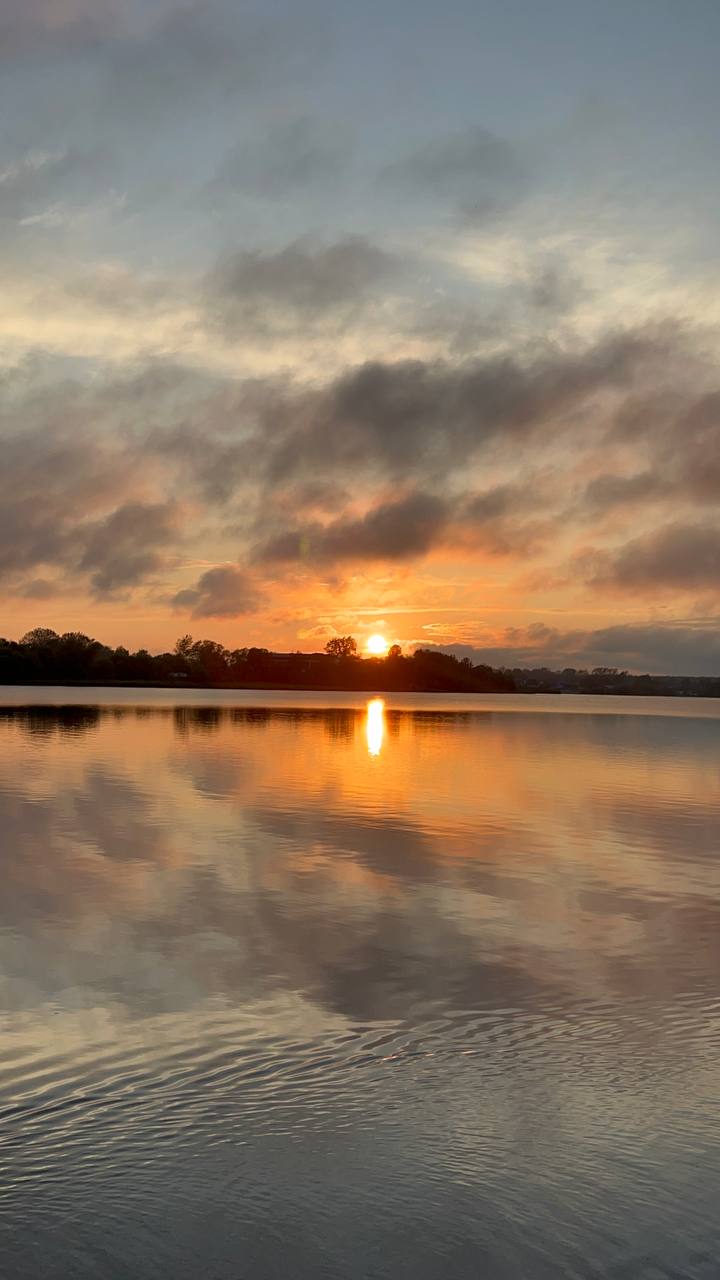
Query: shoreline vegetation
[43, 657]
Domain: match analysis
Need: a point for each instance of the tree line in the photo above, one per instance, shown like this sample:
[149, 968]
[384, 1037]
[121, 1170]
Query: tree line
[44, 657]
[609, 680]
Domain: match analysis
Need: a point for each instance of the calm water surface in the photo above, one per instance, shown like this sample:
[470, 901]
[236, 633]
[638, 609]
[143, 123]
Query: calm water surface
[424, 990]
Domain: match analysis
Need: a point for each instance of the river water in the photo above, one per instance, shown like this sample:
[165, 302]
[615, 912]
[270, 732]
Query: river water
[311, 986]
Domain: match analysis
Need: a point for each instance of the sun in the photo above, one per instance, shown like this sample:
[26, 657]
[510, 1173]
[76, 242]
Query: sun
[377, 645]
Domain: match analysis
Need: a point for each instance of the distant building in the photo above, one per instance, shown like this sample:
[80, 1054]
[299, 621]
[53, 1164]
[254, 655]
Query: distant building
[298, 661]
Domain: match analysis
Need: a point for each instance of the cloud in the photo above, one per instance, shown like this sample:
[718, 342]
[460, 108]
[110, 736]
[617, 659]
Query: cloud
[290, 158]
[609, 491]
[481, 173]
[114, 64]
[38, 179]
[678, 648]
[379, 464]
[198, 49]
[39, 589]
[224, 592]
[125, 548]
[394, 530]
[684, 557]
[675, 433]
[182, 178]
[505, 518]
[409, 527]
[78, 493]
[430, 418]
[690, 446]
[80, 457]
[553, 288]
[31, 25]
[298, 281]
[115, 289]
[54, 480]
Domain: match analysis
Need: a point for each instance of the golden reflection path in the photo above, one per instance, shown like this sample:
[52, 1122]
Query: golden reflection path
[375, 726]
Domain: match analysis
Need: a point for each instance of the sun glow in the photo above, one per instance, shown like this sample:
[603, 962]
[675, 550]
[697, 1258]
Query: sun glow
[375, 726]
[377, 645]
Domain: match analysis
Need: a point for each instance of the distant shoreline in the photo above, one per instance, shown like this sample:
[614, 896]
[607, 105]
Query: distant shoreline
[44, 659]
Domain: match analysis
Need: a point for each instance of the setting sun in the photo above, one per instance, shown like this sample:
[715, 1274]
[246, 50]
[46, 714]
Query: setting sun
[377, 645]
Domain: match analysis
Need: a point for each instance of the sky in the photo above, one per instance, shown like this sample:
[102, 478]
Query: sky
[321, 318]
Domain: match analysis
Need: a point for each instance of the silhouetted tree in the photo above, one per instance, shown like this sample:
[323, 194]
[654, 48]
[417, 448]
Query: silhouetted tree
[341, 647]
[38, 637]
[210, 659]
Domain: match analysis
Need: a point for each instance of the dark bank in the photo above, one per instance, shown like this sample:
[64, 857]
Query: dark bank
[45, 657]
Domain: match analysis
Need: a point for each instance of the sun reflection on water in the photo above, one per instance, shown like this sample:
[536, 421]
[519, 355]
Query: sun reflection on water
[375, 726]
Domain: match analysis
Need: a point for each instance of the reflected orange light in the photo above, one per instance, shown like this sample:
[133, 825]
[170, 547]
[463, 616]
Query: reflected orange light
[375, 726]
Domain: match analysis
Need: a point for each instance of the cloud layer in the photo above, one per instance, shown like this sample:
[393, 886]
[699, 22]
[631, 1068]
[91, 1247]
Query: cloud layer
[291, 347]
[657, 648]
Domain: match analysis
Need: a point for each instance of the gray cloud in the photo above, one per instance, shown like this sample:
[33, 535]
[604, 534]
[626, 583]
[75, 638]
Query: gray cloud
[53, 481]
[479, 172]
[268, 462]
[554, 289]
[657, 648]
[299, 280]
[39, 589]
[409, 527]
[432, 417]
[193, 50]
[125, 548]
[692, 445]
[416, 423]
[290, 158]
[506, 518]
[113, 64]
[495, 502]
[36, 25]
[73, 491]
[396, 530]
[677, 556]
[224, 592]
[675, 434]
[610, 490]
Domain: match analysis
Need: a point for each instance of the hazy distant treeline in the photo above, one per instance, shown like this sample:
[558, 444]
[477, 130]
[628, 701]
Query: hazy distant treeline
[611, 680]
